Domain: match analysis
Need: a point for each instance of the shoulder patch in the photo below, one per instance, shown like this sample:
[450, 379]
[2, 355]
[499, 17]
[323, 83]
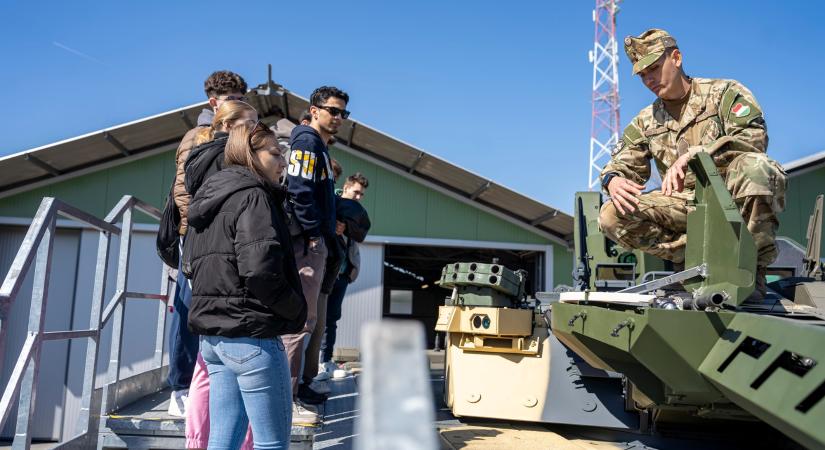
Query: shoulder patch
[632, 134]
[742, 112]
[618, 147]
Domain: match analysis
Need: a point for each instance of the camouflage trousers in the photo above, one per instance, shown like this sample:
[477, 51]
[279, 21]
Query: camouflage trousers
[659, 224]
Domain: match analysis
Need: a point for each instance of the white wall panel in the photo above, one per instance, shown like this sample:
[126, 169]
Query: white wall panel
[363, 302]
[69, 306]
[49, 407]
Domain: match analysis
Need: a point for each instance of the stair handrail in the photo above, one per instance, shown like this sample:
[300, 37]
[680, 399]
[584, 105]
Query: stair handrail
[37, 250]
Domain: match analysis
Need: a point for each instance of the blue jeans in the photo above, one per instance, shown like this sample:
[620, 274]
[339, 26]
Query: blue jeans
[183, 345]
[335, 303]
[248, 384]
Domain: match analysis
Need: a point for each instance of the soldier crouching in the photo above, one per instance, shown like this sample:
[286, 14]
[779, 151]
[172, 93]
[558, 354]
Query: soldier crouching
[690, 115]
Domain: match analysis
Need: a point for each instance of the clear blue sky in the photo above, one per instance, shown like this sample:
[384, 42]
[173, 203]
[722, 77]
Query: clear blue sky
[500, 88]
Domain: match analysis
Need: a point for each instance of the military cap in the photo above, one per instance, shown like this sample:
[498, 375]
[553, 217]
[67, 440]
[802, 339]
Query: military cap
[645, 49]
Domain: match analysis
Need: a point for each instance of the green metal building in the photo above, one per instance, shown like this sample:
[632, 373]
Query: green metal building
[425, 212]
[806, 180]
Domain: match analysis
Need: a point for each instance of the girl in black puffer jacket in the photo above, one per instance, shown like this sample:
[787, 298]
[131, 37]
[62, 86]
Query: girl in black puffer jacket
[245, 291]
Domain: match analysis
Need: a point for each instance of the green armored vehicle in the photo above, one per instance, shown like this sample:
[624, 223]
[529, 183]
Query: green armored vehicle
[691, 343]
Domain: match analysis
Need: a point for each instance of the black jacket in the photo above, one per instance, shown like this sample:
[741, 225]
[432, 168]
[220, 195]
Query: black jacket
[310, 184]
[203, 161]
[239, 256]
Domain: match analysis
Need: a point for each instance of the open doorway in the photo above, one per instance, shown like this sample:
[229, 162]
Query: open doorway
[410, 273]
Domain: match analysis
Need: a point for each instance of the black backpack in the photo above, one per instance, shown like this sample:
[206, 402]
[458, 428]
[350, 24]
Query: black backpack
[168, 239]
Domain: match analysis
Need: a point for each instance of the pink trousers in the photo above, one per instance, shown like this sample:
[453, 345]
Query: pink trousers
[197, 411]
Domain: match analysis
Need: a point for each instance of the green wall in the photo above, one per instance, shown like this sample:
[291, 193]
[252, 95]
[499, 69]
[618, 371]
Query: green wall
[402, 207]
[148, 179]
[398, 206]
[562, 266]
[799, 203]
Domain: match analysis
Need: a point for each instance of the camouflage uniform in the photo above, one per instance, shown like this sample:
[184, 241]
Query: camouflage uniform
[722, 118]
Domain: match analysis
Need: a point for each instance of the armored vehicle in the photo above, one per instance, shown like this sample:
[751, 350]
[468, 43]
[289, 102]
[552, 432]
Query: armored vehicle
[696, 345]
[640, 343]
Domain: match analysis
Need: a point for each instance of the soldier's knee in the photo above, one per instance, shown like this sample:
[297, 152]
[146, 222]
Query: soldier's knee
[754, 174]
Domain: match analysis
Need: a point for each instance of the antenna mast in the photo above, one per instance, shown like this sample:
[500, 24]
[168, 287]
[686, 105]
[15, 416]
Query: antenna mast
[604, 127]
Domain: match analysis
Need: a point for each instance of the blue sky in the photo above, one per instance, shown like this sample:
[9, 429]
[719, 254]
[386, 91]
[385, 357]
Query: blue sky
[499, 88]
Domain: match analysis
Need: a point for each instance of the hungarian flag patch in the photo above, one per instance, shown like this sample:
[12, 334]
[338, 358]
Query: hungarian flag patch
[740, 110]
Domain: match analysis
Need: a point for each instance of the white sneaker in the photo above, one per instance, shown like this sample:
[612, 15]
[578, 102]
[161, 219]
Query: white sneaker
[178, 402]
[321, 387]
[302, 415]
[325, 371]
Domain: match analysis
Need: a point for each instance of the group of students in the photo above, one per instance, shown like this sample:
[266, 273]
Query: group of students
[267, 248]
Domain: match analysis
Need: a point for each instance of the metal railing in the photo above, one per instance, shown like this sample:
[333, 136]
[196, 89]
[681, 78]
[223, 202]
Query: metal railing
[37, 249]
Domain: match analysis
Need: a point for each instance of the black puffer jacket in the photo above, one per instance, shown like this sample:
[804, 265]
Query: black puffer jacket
[203, 161]
[239, 257]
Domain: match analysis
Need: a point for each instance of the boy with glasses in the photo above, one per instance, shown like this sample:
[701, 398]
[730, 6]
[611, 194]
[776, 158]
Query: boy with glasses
[311, 190]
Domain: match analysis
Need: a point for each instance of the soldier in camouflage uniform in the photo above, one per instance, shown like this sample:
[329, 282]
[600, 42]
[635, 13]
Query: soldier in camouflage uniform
[690, 115]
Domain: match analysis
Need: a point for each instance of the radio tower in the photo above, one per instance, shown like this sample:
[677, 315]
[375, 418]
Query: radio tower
[604, 127]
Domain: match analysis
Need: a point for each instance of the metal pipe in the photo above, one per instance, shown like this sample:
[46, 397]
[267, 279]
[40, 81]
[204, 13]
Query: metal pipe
[89, 418]
[13, 387]
[37, 319]
[110, 404]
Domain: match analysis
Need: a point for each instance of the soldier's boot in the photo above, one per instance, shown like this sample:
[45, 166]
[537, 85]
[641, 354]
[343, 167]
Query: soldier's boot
[760, 286]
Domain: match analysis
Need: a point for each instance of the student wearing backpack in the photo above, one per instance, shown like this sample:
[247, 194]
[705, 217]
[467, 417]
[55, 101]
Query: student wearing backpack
[220, 87]
[206, 159]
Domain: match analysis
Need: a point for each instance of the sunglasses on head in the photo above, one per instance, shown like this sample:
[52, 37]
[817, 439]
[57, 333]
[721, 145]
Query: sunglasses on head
[255, 128]
[333, 111]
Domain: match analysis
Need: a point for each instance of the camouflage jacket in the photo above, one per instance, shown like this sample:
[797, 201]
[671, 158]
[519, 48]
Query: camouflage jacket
[721, 117]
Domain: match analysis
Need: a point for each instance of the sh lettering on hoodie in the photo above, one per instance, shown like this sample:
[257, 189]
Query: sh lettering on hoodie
[303, 162]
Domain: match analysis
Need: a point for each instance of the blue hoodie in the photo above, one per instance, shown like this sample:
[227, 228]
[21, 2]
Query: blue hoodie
[309, 182]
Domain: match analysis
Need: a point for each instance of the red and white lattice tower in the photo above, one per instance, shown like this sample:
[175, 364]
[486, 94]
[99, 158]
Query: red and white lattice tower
[604, 128]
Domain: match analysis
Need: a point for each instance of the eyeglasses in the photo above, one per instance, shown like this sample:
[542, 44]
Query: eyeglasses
[333, 111]
[241, 98]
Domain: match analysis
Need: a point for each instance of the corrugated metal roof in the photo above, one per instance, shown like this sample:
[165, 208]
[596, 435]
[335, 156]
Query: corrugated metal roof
[61, 159]
[807, 163]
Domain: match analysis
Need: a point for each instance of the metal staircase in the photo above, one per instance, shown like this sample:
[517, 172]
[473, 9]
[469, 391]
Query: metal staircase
[37, 251]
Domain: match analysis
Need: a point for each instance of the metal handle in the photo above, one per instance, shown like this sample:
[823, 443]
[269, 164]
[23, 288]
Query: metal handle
[627, 323]
[582, 315]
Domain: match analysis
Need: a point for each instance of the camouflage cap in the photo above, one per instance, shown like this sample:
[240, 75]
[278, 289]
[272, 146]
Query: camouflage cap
[645, 49]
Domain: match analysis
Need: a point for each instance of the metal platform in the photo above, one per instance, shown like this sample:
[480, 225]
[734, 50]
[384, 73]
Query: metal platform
[145, 424]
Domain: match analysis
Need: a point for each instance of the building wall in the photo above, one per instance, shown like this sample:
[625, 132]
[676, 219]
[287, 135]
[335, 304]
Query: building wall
[799, 203]
[96, 193]
[397, 206]
[68, 308]
[402, 207]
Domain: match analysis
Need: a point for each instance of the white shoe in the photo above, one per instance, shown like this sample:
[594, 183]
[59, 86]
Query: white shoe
[321, 387]
[178, 402]
[325, 371]
[303, 415]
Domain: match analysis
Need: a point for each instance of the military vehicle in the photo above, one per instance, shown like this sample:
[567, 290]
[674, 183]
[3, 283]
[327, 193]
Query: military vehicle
[695, 345]
[659, 345]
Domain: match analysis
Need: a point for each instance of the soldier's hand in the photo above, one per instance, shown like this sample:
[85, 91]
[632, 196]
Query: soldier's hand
[675, 177]
[624, 193]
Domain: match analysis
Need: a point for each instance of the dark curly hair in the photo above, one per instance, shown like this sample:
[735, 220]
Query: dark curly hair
[224, 82]
[324, 93]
